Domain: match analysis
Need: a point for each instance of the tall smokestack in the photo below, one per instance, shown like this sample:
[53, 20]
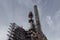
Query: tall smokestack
[37, 19]
[41, 35]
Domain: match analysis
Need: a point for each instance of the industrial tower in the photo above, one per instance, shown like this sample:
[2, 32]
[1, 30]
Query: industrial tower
[34, 33]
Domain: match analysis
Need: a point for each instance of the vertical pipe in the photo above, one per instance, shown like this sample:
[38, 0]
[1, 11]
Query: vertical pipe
[31, 21]
[37, 19]
[41, 35]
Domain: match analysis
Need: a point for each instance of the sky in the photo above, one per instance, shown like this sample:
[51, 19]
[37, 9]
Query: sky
[17, 11]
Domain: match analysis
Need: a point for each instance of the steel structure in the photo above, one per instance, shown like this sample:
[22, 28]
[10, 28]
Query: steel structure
[34, 33]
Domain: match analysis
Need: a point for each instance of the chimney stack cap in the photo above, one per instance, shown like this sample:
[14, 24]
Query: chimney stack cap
[35, 5]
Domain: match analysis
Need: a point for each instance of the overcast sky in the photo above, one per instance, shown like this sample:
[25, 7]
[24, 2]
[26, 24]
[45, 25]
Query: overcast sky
[17, 11]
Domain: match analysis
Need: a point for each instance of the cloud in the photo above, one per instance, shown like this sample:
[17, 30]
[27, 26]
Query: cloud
[49, 20]
[3, 32]
[53, 24]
